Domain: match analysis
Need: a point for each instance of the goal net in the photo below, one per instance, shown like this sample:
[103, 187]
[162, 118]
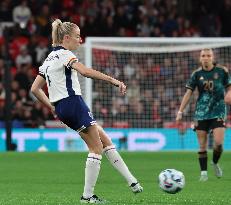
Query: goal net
[155, 71]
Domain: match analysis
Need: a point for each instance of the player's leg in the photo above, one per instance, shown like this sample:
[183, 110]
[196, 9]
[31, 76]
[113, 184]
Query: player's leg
[203, 157]
[75, 114]
[117, 162]
[91, 136]
[218, 134]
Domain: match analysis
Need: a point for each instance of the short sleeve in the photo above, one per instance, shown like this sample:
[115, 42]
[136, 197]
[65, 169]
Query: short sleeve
[68, 58]
[191, 83]
[42, 72]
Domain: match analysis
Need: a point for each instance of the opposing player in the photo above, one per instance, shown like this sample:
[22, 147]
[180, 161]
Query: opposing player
[211, 80]
[59, 72]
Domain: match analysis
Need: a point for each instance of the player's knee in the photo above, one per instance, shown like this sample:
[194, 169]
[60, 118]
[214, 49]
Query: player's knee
[203, 148]
[98, 149]
[218, 148]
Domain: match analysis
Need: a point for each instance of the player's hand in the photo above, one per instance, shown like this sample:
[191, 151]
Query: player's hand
[53, 112]
[122, 88]
[121, 85]
[179, 116]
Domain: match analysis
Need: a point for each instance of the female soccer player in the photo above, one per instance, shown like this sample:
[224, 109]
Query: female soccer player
[59, 72]
[211, 81]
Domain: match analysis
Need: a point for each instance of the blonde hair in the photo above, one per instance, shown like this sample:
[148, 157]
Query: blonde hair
[207, 49]
[59, 30]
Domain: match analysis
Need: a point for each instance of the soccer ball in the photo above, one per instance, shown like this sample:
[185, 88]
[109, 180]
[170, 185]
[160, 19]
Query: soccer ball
[171, 181]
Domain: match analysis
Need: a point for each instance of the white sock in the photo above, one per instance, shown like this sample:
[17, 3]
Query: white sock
[91, 173]
[118, 163]
[203, 172]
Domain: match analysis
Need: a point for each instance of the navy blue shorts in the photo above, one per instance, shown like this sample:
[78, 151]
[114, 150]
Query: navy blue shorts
[74, 112]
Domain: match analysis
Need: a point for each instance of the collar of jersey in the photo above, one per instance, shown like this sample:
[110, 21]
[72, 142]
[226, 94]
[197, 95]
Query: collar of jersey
[208, 70]
[58, 48]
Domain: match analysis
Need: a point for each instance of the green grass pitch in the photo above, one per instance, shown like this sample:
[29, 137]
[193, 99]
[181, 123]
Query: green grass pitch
[57, 179]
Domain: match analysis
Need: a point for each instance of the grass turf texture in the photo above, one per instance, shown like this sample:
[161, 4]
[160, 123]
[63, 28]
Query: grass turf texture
[57, 179]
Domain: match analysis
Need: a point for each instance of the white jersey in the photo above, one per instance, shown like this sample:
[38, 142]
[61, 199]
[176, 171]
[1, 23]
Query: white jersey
[62, 80]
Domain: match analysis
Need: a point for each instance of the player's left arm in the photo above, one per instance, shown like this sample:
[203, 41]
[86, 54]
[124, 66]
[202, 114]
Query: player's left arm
[227, 83]
[228, 95]
[36, 89]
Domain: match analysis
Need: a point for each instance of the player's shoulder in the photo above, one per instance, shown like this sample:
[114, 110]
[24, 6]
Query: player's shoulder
[68, 55]
[196, 70]
[224, 68]
[64, 52]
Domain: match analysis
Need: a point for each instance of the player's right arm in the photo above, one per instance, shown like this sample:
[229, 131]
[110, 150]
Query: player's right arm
[228, 87]
[184, 103]
[190, 85]
[91, 73]
[228, 96]
[36, 89]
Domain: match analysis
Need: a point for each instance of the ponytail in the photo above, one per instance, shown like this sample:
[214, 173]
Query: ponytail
[59, 29]
[56, 32]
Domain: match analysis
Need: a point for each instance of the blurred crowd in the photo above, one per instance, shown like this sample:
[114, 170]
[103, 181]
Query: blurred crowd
[144, 18]
[26, 26]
